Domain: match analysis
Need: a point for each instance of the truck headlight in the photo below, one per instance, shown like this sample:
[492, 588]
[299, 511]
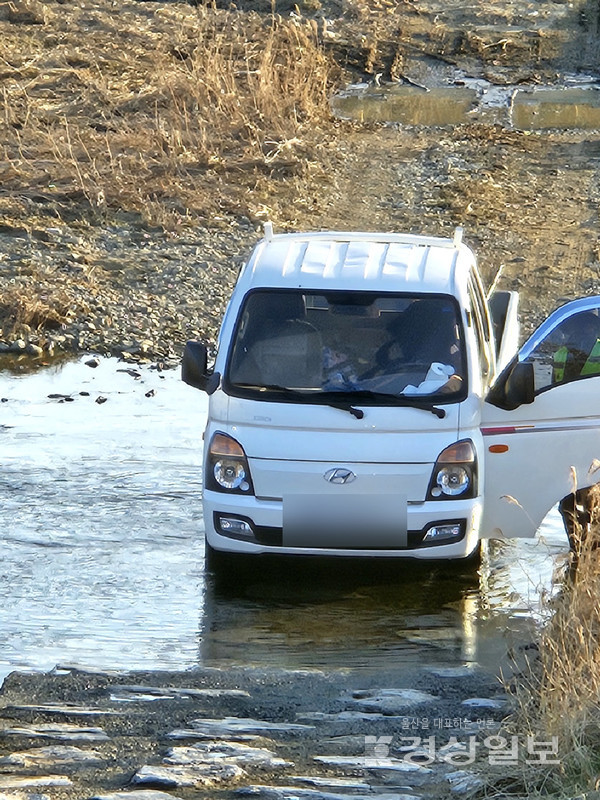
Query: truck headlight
[227, 466]
[455, 473]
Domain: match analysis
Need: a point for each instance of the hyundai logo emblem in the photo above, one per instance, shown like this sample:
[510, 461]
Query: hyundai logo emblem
[339, 475]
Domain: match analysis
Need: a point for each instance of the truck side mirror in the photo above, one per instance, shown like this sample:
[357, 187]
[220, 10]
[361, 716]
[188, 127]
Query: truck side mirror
[194, 368]
[515, 387]
[519, 388]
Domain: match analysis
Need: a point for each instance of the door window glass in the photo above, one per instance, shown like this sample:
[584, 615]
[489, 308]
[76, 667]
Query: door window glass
[570, 352]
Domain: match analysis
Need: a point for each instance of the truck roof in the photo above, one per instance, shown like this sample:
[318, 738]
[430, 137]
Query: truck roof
[358, 261]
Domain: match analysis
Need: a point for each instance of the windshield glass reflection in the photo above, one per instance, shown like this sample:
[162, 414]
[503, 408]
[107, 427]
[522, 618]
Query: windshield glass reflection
[348, 342]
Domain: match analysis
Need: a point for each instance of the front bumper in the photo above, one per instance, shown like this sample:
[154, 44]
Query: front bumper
[264, 531]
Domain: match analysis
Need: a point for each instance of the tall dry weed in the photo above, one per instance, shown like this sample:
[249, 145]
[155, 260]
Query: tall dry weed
[146, 115]
[559, 693]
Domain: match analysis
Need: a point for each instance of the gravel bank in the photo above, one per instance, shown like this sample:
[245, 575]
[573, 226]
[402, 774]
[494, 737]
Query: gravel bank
[126, 290]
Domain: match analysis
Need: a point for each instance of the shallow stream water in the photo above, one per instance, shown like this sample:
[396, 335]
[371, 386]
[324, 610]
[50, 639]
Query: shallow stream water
[102, 552]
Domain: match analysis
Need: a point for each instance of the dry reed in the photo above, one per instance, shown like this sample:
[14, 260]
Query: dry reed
[148, 115]
[558, 694]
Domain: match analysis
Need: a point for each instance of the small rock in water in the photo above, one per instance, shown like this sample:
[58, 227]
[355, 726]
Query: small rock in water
[93, 362]
[101, 400]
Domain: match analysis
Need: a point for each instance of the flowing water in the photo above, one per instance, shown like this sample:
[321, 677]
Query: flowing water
[102, 553]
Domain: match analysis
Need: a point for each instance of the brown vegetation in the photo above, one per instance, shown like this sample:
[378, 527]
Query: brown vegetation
[148, 112]
[558, 692]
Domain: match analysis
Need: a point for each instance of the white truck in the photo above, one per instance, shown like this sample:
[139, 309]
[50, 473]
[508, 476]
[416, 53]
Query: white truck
[367, 399]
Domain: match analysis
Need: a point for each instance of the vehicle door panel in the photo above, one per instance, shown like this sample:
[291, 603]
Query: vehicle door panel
[539, 452]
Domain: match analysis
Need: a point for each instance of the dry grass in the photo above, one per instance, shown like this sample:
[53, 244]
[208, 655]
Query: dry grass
[559, 694]
[40, 304]
[150, 111]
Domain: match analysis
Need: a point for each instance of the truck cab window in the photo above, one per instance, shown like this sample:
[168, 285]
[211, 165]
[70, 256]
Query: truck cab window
[348, 342]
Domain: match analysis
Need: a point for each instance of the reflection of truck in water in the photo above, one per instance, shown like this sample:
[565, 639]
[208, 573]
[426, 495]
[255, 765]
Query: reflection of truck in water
[367, 399]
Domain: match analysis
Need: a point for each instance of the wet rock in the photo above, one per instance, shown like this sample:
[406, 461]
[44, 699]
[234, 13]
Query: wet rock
[451, 672]
[32, 781]
[348, 784]
[33, 350]
[484, 702]
[233, 726]
[210, 752]
[196, 776]
[18, 346]
[148, 693]
[139, 794]
[133, 372]
[363, 762]
[290, 792]
[57, 755]
[65, 708]
[61, 731]
[344, 716]
[101, 400]
[150, 393]
[92, 362]
[392, 701]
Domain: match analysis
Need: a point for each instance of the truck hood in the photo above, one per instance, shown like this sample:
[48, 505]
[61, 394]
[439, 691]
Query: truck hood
[290, 431]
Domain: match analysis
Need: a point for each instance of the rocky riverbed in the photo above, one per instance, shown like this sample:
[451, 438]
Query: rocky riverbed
[99, 260]
[248, 733]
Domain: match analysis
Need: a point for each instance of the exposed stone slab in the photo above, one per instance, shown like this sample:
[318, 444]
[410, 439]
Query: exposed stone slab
[363, 762]
[196, 776]
[66, 708]
[62, 731]
[137, 693]
[136, 794]
[345, 716]
[32, 781]
[292, 792]
[331, 783]
[55, 754]
[230, 752]
[234, 726]
[392, 701]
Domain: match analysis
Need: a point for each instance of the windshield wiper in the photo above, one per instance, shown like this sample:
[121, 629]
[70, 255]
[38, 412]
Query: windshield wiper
[346, 400]
[317, 397]
[408, 401]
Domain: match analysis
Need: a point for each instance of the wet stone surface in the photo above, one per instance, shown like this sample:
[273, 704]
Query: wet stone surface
[252, 743]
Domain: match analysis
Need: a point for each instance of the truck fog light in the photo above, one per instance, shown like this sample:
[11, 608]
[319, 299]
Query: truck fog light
[230, 474]
[235, 526]
[439, 533]
[453, 480]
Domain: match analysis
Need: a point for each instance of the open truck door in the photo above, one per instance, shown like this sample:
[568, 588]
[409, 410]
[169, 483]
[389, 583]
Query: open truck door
[541, 423]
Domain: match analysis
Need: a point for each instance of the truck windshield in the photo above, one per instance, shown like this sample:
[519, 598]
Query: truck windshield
[378, 347]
